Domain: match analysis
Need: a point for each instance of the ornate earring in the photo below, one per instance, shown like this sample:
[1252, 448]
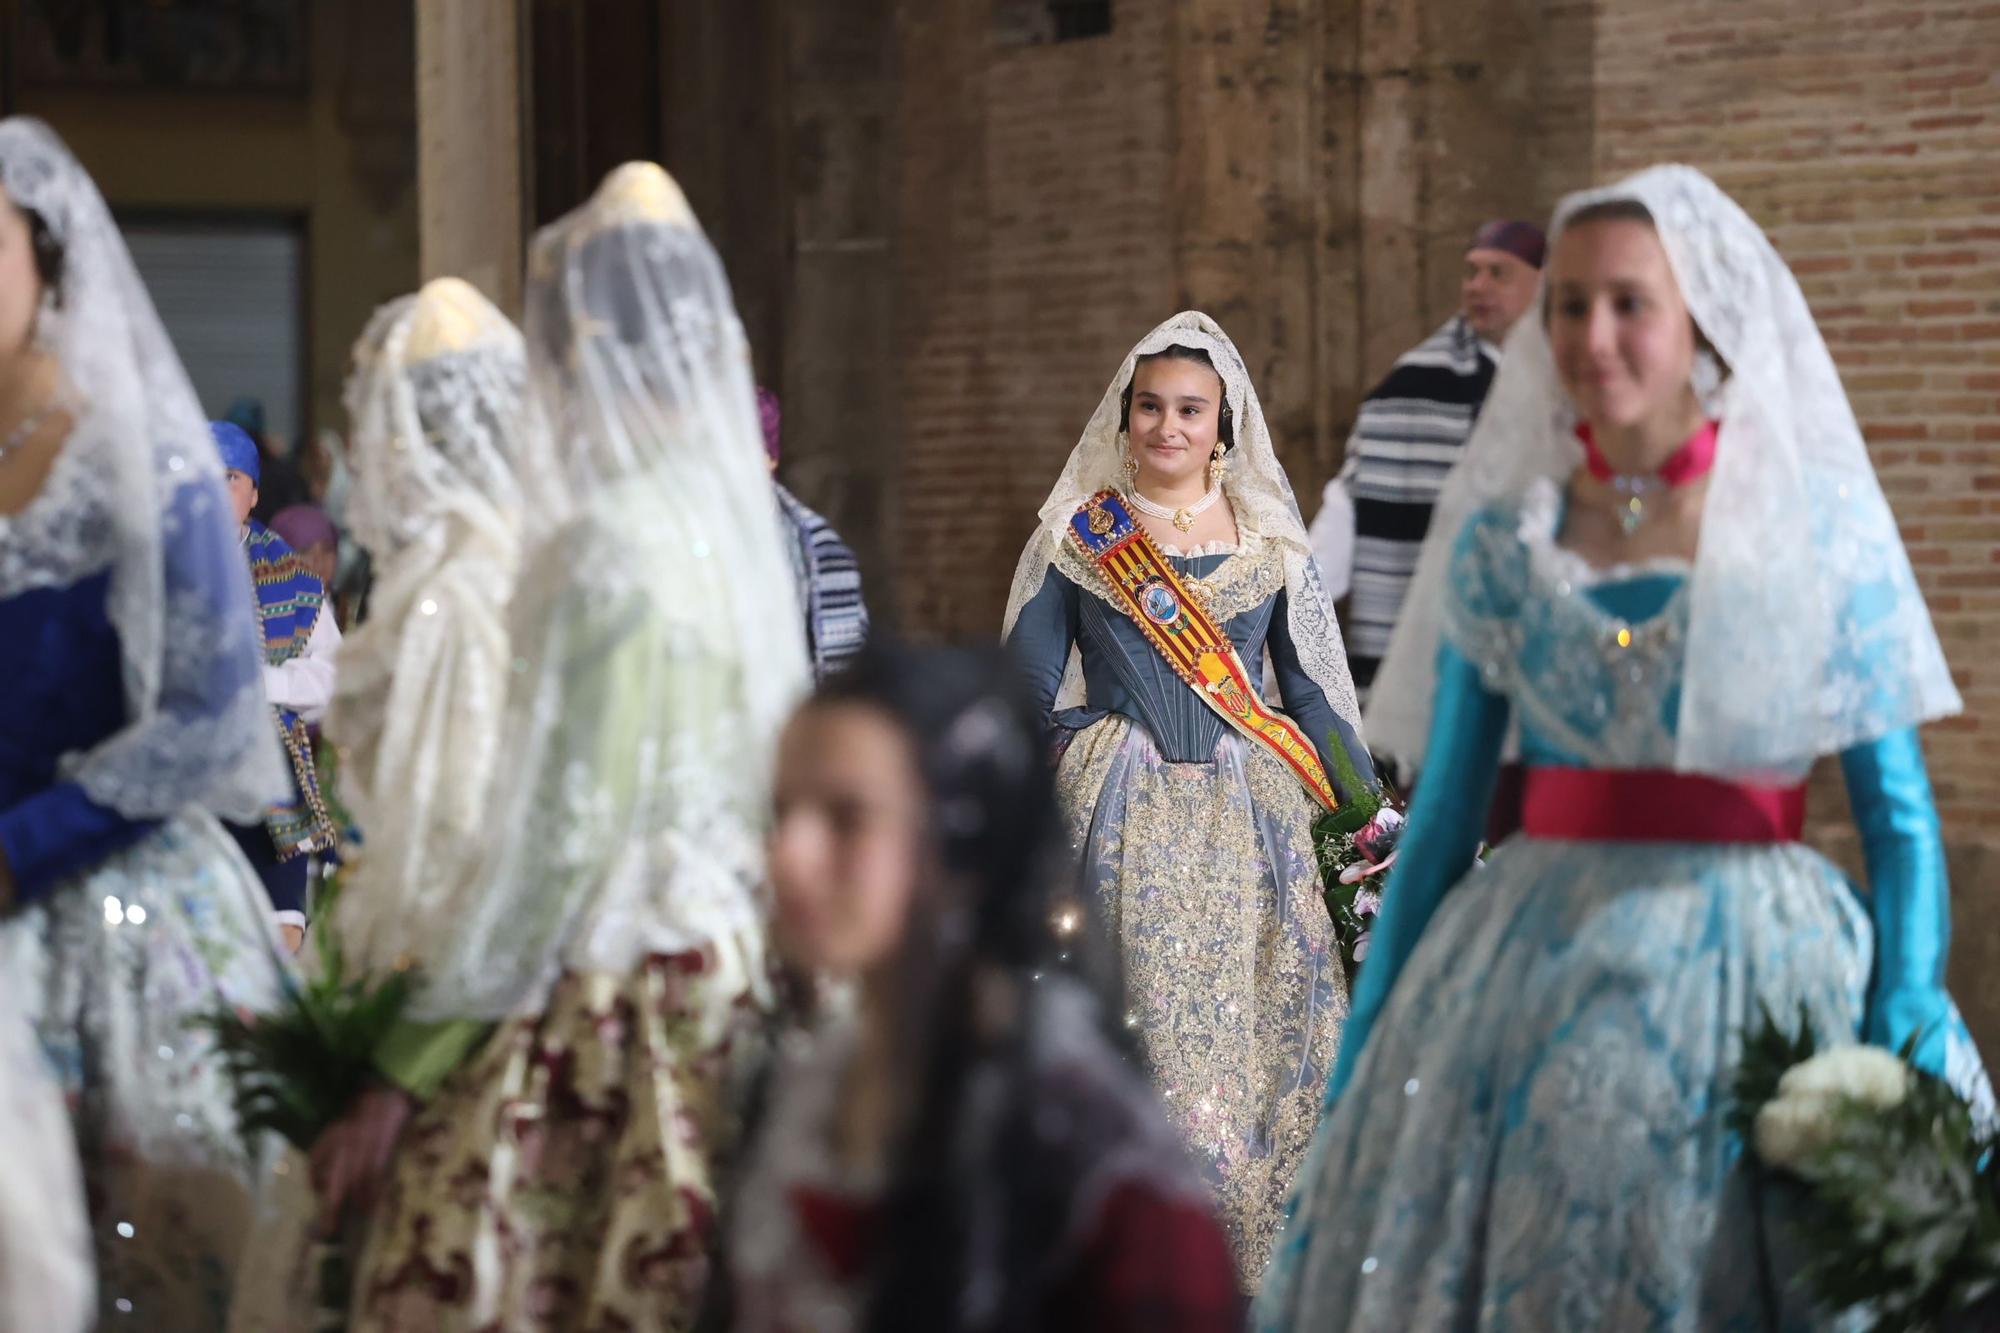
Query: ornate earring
[1218, 464]
[1126, 461]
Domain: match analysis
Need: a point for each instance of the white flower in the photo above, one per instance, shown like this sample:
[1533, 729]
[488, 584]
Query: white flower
[1799, 1121]
[1875, 1078]
[1790, 1132]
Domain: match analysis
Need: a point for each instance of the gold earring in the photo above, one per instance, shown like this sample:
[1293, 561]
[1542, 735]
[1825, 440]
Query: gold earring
[1129, 463]
[1217, 465]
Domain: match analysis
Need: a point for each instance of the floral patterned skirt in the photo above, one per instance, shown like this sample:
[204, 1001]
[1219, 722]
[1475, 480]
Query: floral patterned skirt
[1205, 876]
[116, 968]
[565, 1177]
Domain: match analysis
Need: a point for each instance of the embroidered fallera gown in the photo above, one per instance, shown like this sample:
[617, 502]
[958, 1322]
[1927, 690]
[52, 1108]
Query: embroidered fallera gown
[1199, 846]
[1534, 1134]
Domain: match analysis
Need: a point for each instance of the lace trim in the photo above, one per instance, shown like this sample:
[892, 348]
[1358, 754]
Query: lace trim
[1594, 682]
[1251, 576]
[1200, 551]
[62, 535]
[1542, 505]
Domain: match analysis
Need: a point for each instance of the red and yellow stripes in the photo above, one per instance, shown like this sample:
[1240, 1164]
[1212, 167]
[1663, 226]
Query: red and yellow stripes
[1150, 591]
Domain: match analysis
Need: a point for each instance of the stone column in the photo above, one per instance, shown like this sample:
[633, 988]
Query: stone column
[469, 186]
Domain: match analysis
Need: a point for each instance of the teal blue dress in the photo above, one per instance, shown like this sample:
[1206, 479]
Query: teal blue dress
[1526, 1124]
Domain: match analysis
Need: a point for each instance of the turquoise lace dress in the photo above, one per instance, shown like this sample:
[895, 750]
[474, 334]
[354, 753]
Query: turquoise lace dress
[1526, 1125]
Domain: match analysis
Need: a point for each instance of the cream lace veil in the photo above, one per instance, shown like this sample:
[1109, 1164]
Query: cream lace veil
[1255, 486]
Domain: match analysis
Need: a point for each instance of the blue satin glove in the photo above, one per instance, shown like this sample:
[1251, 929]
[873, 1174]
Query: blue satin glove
[1446, 820]
[1909, 894]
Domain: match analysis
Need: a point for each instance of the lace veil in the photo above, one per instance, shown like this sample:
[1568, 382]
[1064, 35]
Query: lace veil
[1807, 633]
[138, 486]
[440, 417]
[1255, 486]
[657, 640]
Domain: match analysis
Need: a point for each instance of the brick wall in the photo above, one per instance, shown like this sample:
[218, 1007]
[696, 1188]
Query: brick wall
[1033, 249]
[1308, 170]
[1305, 170]
[1866, 142]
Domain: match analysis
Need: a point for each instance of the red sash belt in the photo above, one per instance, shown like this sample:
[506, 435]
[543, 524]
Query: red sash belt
[1656, 805]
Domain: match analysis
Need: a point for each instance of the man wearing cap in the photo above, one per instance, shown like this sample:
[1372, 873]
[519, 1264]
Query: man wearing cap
[299, 646]
[1408, 434]
[829, 579]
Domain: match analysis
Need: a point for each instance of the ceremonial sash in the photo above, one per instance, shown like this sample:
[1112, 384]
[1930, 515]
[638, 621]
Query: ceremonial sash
[1148, 589]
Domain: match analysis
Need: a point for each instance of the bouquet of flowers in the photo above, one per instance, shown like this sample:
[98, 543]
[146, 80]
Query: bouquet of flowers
[1355, 844]
[294, 1071]
[1901, 1185]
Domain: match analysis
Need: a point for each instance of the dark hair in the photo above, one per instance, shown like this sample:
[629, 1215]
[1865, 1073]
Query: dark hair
[49, 253]
[1003, 875]
[1610, 210]
[1631, 210]
[1226, 432]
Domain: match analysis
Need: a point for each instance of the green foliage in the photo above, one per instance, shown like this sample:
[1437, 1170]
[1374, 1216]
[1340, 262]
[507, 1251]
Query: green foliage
[1901, 1215]
[296, 1070]
[1767, 1053]
[1333, 846]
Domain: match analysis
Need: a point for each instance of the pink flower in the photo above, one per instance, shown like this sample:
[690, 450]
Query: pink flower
[1367, 903]
[1378, 837]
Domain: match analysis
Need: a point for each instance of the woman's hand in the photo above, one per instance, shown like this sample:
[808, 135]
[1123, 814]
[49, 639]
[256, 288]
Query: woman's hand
[351, 1159]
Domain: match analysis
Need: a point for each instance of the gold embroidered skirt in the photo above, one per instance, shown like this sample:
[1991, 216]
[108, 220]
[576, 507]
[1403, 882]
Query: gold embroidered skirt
[565, 1178]
[1205, 876]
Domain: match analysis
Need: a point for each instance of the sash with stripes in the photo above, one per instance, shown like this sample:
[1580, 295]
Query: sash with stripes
[1150, 591]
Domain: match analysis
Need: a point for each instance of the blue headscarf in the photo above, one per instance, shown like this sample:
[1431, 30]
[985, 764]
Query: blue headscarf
[238, 450]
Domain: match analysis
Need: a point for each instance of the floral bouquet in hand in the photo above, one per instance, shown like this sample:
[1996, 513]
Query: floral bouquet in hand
[1355, 844]
[296, 1069]
[1901, 1210]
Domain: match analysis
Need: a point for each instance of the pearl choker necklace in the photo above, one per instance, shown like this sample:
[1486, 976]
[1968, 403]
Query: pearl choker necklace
[1180, 518]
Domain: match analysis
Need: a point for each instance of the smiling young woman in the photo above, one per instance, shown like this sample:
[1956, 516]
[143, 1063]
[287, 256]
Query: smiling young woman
[1170, 564]
[1666, 566]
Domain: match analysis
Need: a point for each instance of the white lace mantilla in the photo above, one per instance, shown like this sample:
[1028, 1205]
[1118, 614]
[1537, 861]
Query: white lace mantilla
[1806, 632]
[137, 489]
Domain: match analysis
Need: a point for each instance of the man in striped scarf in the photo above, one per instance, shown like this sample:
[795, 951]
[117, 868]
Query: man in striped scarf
[1408, 434]
[829, 579]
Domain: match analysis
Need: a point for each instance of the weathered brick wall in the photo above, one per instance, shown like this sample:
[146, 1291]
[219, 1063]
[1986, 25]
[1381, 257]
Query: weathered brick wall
[1308, 170]
[1866, 140]
[1034, 248]
[1305, 170]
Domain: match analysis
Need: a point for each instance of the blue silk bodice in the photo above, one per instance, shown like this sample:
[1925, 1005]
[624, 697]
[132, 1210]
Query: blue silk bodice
[1123, 673]
[60, 658]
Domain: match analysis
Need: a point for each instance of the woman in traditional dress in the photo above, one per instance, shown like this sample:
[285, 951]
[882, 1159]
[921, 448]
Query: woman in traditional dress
[1666, 560]
[440, 419]
[134, 714]
[585, 1031]
[1169, 563]
[967, 1147]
